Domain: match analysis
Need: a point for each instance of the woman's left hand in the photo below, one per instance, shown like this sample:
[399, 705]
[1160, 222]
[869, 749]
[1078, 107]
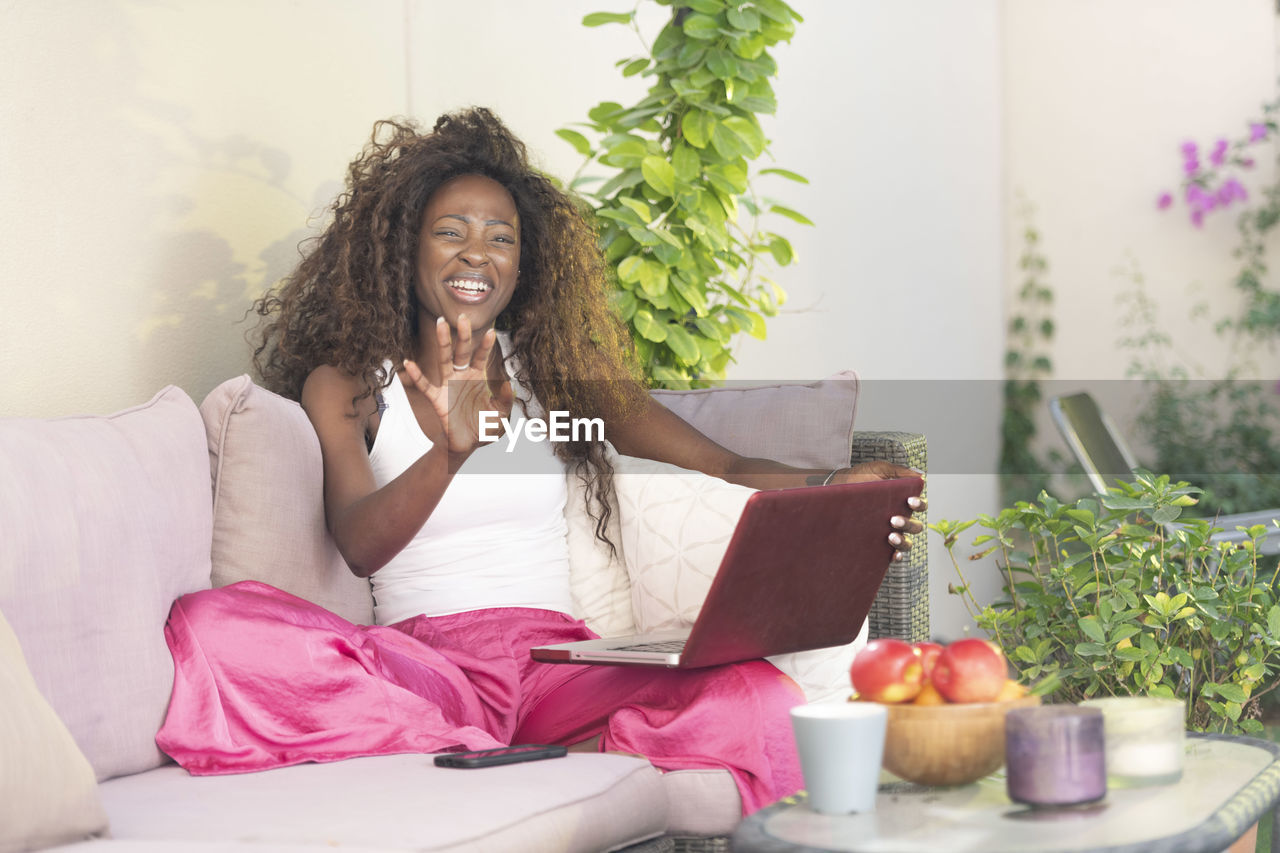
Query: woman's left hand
[903, 525]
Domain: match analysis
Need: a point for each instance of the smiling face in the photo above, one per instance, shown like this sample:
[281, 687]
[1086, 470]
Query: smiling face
[468, 253]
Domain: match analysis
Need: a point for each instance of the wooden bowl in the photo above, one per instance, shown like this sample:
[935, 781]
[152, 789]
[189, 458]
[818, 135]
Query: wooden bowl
[947, 744]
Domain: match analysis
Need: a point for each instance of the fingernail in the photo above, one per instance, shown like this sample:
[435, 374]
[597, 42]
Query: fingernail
[917, 470]
[913, 502]
[439, 320]
[895, 539]
[898, 556]
[898, 521]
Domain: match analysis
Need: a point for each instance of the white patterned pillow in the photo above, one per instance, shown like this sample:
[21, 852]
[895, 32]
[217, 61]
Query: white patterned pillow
[597, 576]
[676, 525]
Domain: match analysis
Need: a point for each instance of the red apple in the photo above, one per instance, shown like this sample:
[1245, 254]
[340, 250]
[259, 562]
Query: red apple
[970, 670]
[887, 670]
[928, 656]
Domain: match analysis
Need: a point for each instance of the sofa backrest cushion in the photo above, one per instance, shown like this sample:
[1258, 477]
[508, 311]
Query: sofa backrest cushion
[268, 501]
[807, 424]
[48, 793]
[106, 521]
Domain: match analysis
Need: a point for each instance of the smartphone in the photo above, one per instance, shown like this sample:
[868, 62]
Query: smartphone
[501, 755]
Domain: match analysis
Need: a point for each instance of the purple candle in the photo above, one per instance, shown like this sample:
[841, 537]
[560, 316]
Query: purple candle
[1055, 755]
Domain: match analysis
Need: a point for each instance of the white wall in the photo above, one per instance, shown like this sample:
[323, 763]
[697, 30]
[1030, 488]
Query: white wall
[159, 163]
[1099, 97]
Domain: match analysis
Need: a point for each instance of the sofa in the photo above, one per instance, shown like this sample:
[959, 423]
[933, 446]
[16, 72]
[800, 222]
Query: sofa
[106, 520]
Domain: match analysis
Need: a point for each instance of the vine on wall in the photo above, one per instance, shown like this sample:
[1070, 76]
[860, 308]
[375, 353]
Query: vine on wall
[681, 220]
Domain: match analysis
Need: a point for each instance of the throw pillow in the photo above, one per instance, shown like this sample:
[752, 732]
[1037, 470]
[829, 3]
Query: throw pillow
[806, 424]
[676, 525]
[268, 501]
[106, 521]
[48, 794]
[597, 576]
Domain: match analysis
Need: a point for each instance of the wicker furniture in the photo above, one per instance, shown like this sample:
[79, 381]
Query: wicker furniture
[902, 607]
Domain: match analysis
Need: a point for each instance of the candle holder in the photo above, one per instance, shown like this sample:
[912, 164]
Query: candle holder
[1145, 739]
[1055, 756]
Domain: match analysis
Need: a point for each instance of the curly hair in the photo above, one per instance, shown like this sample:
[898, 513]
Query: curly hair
[351, 301]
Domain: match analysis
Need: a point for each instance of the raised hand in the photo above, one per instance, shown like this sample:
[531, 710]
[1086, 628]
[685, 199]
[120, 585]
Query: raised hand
[462, 390]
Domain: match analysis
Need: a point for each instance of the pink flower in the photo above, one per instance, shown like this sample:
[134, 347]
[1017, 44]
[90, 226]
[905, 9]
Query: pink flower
[1197, 218]
[1219, 154]
[1190, 158]
[1257, 131]
[1231, 190]
[1165, 201]
[1247, 163]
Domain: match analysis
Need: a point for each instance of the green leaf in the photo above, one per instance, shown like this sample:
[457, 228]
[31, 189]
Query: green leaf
[1166, 514]
[694, 295]
[630, 267]
[781, 250]
[1130, 653]
[1090, 649]
[1092, 629]
[777, 10]
[1273, 621]
[687, 163]
[683, 344]
[653, 278]
[707, 7]
[596, 19]
[641, 208]
[577, 140]
[791, 214]
[701, 27]
[635, 66]
[659, 174]
[744, 19]
[748, 131]
[790, 176]
[698, 127]
[1232, 693]
[650, 328]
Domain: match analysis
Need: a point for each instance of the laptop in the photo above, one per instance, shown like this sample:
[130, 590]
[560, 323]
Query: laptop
[801, 571]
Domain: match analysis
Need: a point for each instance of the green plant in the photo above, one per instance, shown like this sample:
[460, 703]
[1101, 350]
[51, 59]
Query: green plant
[680, 219]
[1102, 597]
[1026, 362]
[1218, 433]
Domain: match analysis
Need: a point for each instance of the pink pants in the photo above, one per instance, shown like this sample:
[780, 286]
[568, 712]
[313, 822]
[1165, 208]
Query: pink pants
[265, 679]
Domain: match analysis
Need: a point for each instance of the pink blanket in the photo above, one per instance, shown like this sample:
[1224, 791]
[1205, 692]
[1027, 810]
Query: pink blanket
[265, 679]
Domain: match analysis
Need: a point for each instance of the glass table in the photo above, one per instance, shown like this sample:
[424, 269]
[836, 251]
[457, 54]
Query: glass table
[1229, 783]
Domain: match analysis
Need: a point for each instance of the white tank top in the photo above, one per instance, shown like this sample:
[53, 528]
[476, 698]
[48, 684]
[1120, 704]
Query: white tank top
[497, 537]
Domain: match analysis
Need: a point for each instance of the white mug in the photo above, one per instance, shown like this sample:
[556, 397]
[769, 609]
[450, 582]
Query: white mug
[841, 745]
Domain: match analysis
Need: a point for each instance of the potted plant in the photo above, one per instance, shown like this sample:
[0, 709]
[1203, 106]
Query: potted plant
[1106, 597]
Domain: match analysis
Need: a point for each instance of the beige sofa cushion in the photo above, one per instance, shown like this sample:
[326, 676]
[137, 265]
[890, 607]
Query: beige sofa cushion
[107, 521]
[48, 793]
[586, 803]
[268, 501]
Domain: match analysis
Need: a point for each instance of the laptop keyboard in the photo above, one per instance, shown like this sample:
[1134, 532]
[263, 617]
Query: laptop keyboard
[664, 646]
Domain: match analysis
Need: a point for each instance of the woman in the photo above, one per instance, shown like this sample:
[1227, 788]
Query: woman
[388, 333]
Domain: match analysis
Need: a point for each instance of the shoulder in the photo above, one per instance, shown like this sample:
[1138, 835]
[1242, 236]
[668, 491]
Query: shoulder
[330, 392]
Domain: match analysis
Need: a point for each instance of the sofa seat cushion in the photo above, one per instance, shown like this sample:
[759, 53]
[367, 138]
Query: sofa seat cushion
[106, 521]
[583, 802]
